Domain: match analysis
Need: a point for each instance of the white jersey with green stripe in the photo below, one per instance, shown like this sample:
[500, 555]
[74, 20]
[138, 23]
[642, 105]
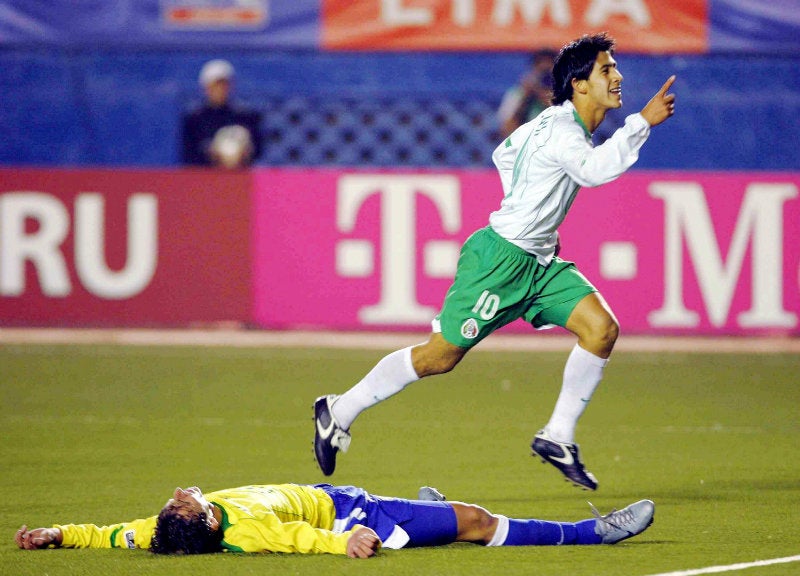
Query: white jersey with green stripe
[543, 164]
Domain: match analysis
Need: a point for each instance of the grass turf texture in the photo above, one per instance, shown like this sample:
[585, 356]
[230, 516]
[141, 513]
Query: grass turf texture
[104, 433]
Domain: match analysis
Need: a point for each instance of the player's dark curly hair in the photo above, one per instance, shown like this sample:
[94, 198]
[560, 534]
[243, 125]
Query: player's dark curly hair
[178, 535]
[575, 61]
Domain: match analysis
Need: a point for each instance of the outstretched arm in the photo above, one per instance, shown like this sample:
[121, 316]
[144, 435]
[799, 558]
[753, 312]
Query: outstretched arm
[126, 535]
[661, 106]
[37, 538]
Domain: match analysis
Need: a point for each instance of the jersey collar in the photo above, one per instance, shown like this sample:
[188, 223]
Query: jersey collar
[570, 106]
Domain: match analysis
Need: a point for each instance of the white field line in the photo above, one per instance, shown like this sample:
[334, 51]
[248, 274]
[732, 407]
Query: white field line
[731, 567]
[381, 340]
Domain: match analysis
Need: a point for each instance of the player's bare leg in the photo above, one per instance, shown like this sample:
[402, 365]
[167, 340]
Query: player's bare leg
[593, 322]
[475, 524]
[333, 414]
[436, 356]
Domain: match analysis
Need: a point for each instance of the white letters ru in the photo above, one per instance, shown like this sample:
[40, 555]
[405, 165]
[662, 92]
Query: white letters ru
[90, 261]
[42, 247]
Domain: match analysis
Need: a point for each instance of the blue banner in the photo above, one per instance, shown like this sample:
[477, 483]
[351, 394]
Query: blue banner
[160, 23]
[756, 26]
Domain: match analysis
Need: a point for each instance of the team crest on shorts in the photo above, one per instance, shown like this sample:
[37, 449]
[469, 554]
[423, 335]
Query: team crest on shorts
[469, 329]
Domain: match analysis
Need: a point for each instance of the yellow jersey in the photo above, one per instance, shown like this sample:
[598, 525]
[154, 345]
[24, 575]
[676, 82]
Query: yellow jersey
[258, 518]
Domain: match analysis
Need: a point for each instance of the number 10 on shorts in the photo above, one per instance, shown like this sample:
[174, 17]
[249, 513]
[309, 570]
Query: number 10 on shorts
[487, 305]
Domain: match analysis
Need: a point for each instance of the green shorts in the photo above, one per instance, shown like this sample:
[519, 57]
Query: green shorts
[497, 282]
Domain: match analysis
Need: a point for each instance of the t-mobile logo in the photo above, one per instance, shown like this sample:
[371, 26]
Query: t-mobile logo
[398, 240]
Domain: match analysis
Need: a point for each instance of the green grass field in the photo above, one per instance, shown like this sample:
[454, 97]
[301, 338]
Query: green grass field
[104, 433]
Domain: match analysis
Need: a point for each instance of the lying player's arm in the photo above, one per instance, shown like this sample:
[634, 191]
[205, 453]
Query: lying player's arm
[363, 543]
[37, 538]
[272, 535]
[135, 534]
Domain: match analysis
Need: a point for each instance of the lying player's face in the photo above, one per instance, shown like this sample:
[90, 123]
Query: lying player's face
[605, 82]
[189, 502]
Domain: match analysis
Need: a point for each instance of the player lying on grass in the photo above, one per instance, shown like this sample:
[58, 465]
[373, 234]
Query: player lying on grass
[328, 519]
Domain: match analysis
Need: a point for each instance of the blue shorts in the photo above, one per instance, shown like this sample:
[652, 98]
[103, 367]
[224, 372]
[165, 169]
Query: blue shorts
[399, 523]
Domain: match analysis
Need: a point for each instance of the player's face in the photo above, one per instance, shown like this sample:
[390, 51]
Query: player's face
[189, 502]
[605, 82]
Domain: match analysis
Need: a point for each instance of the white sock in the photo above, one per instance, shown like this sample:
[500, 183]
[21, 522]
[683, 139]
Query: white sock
[393, 373]
[582, 374]
[501, 533]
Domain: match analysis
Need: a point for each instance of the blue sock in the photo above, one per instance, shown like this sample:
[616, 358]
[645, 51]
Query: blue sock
[544, 533]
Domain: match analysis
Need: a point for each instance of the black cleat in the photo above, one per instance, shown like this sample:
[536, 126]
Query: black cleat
[566, 457]
[329, 437]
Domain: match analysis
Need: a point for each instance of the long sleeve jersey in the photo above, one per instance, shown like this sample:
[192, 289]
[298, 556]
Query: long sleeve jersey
[543, 164]
[259, 518]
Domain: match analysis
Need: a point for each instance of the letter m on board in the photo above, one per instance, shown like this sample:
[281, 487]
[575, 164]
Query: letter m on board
[759, 225]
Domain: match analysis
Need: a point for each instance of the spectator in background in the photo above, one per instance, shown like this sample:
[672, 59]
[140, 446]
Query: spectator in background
[524, 101]
[220, 132]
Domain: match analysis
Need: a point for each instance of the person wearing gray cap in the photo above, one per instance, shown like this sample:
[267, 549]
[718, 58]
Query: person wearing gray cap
[220, 132]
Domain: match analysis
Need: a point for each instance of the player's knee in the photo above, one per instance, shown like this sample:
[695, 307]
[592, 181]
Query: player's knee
[603, 333]
[433, 366]
[610, 331]
[429, 360]
[476, 524]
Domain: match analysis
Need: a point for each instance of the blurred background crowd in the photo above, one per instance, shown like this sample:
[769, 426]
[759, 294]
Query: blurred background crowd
[109, 83]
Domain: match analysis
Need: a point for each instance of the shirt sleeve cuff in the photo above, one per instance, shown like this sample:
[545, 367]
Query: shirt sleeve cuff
[637, 122]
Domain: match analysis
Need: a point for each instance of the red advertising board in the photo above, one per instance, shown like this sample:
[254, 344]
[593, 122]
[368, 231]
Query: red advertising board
[753, 27]
[123, 247]
[644, 26]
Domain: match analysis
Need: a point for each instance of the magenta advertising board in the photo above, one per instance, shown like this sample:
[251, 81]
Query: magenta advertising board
[700, 253]
[672, 252]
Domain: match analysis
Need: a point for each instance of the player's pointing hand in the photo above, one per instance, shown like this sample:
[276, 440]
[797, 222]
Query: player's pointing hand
[661, 106]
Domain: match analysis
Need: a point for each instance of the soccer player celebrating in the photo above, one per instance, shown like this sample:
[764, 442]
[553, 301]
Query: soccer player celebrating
[511, 269]
[305, 519]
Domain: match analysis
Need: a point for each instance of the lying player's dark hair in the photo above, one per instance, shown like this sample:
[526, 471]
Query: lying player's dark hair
[575, 61]
[178, 535]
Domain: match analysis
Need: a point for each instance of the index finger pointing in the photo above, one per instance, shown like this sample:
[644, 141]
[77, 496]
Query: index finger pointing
[667, 85]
